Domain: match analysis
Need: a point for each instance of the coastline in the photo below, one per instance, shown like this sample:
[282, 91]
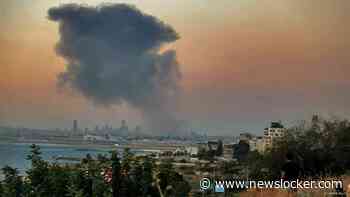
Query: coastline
[147, 147]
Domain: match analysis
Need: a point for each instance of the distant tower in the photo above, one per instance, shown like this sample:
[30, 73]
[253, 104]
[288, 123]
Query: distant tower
[315, 122]
[315, 119]
[137, 129]
[124, 128]
[75, 126]
[123, 124]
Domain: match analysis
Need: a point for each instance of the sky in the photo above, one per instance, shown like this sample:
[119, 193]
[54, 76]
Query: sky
[244, 63]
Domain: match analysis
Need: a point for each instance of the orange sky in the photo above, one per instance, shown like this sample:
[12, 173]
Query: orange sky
[247, 62]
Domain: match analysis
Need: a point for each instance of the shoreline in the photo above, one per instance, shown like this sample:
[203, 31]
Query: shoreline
[58, 144]
[158, 147]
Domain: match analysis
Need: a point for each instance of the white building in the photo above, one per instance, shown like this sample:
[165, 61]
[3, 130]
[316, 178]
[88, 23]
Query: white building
[192, 150]
[257, 144]
[228, 151]
[245, 137]
[275, 131]
[93, 138]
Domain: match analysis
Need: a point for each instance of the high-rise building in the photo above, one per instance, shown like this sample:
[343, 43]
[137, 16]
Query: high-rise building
[275, 131]
[257, 144]
[124, 124]
[245, 136]
[124, 129]
[75, 126]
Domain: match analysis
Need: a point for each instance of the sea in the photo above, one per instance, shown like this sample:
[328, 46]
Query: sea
[15, 154]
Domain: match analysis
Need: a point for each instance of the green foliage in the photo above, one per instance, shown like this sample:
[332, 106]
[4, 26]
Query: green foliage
[231, 168]
[74, 192]
[171, 182]
[241, 151]
[102, 158]
[220, 149]
[38, 175]
[13, 185]
[57, 179]
[76, 184]
[147, 179]
[206, 154]
[116, 176]
[1, 190]
[130, 177]
[127, 160]
[94, 184]
[35, 154]
[322, 149]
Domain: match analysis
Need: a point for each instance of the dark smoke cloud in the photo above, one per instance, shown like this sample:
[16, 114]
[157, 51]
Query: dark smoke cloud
[113, 57]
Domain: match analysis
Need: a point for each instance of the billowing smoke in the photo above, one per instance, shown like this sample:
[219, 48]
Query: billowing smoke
[113, 55]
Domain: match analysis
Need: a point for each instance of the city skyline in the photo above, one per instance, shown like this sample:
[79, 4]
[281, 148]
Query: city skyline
[244, 63]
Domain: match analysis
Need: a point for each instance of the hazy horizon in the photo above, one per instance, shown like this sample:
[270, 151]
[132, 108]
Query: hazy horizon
[243, 64]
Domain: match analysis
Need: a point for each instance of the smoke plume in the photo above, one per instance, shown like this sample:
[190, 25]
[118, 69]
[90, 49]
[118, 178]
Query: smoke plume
[113, 55]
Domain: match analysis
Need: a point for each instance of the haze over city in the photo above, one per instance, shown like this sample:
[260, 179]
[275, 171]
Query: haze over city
[242, 64]
[174, 98]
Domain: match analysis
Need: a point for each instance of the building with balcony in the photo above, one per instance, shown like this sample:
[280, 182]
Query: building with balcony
[272, 133]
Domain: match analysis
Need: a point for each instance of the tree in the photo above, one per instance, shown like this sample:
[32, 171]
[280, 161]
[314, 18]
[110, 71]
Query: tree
[88, 159]
[135, 182]
[116, 176]
[126, 162]
[147, 178]
[171, 182]
[1, 190]
[94, 184]
[58, 177]
[321, 149]
[220, 149]
[102, 158]
[241, 151]
[35, 154]
[204, 154]
[77, 183]
[38, 174]
[126, 184]
[74, 192]
[165, 170]
[13, 185]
